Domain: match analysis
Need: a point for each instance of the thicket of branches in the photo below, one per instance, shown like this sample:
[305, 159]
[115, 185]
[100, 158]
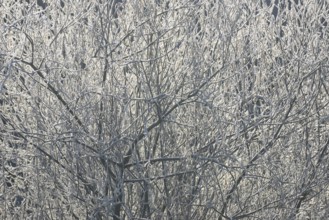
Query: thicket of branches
[161, 109]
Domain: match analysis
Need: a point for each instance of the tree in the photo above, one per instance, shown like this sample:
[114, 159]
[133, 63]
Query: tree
[164, 109]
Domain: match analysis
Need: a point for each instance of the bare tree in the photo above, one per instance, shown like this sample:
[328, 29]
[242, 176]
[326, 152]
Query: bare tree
[164, 109]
